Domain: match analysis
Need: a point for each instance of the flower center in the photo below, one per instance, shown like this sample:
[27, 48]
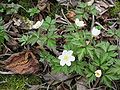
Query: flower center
[66, 57]
[98, 74]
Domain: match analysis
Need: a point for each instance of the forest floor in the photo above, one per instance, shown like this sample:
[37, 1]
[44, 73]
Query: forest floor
[35, 35]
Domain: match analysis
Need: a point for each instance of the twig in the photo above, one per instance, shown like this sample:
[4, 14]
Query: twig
[93, 21]
[97, 81]
[112, 26]
[66, 79]
[65, 17]
[2, 55]
[100, 26]
[103, 12]
[82, 84]
[97, 88]
[50, 85]
[7, 25]
[1, 72]
[8, 49]
[112, 19]
[115, 85]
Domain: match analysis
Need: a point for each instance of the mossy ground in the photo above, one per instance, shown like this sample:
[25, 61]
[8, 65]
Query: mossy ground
[115, 10]
[18, 82]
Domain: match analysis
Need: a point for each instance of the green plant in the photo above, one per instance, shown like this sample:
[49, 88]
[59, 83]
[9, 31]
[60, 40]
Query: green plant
[33, 11]
[10, 8]
[84, 11]
[83, 54]
[45, 36]
[114, 33]
[18, 82]
[116, 9]
[3, 35]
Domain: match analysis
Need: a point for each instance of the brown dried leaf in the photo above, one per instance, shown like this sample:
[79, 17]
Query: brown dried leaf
[71, 15]
[42, 4]
[22, 63]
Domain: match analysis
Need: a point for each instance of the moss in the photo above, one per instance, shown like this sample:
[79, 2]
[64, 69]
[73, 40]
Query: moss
[18, 82]
[115, 10]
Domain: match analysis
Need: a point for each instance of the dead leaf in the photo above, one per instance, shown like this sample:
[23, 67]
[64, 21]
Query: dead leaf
[42, 4]
[71, 15]
[55, 76]
[102, 6]
[81, 84]
[22, 63]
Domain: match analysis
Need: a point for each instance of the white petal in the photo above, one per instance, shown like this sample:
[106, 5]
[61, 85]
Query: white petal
[70, 52]
[79, 23]
[71, 58]
[64, 52]
[60, 57]
[37, 24]
[68, 63]
[98, 73]
[90, 2]
[95, 32]
[62, 62]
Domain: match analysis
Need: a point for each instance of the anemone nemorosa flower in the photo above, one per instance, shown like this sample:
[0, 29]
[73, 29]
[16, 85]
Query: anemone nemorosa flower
[66, 58]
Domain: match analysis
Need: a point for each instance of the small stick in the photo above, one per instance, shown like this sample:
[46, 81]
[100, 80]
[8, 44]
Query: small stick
[65, 17]
[93, 21]
[2, 55]
[1, 72]
[100, 26]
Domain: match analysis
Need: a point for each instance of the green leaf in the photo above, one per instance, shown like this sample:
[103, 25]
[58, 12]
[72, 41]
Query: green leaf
[51, 43]
[33, 11]
[103, 45]
[112, 48]
[82, 5]
[104, 58]
[48, 19]
[89, 50]
[77, 67]
[81, 53]
[106, 81]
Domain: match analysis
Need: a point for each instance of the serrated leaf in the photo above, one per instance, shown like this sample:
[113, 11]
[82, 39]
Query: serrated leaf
[81, 53]
[51, 43]
[89, 50]
[104, 58]
[103, 45]
[112, 48]
[106, 81]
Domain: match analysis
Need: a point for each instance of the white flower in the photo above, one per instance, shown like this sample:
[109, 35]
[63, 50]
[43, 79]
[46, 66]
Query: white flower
[37, 24]
[98, 73]
[66, 58]
[95, 32]
[90, 2]
[79, 23]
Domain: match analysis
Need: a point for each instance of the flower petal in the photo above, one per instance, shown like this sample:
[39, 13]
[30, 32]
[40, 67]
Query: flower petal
[70, 52]
[95, 32]
[37, 24]
[60, 57]
[62, 63]
[68, 63]
[64, 52]
[71, 58]
[79, 23]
